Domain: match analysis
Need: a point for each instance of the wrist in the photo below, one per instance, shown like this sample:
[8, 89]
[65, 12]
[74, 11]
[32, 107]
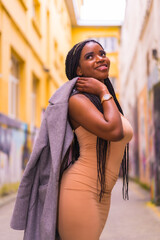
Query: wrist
[106, 97]
[103, 92]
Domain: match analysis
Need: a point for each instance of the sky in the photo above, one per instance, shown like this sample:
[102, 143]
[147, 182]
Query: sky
[102, 11]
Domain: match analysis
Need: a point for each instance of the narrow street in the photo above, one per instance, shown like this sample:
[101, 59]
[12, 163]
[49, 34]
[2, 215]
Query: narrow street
[6, 233]
[133, 219]
[128, 220]
[48, 49]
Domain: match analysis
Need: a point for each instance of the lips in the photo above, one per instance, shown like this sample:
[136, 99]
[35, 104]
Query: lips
[103, 67]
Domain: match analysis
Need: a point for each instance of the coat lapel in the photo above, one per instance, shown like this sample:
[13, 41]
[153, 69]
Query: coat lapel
[63, 93]
[58, 126]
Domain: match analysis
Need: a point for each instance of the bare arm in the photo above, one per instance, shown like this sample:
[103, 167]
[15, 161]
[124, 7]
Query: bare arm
[83, 113]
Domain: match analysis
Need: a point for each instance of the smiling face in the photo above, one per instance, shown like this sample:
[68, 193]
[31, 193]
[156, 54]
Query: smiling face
[93, 62]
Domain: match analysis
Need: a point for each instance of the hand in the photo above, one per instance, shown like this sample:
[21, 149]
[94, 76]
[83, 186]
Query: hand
[91, 85]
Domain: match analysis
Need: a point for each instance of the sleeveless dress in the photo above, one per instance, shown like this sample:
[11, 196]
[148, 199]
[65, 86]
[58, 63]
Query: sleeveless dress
[81, 216]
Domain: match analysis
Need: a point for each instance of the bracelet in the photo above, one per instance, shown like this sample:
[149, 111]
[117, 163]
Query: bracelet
[106, 97]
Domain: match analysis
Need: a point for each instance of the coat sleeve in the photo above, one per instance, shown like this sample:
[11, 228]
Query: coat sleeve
[19, 217]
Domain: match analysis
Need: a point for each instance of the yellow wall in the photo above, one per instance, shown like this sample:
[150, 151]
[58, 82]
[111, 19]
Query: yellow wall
[31, 38]
[82, 33]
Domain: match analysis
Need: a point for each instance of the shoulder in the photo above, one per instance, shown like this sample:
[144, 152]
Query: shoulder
[79, 100]
[78, 97]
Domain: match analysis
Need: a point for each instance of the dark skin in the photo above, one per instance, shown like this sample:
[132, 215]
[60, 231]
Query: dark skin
[93, 69]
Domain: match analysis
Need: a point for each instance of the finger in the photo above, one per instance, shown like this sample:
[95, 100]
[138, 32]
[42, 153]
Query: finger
[85, 86]
[83, 78]
[81, 82]
[81, 88]
[87, 78]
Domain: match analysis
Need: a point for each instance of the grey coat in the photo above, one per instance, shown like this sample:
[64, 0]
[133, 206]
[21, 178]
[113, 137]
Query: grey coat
[36, 204]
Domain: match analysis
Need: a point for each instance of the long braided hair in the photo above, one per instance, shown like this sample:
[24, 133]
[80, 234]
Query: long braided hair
[102, 146]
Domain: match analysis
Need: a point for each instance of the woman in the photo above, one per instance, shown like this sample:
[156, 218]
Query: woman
[80, 191]
[102, 134]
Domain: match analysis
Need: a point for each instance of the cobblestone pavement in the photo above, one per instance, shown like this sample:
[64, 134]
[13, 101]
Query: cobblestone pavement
[135, 219]
[127, 220]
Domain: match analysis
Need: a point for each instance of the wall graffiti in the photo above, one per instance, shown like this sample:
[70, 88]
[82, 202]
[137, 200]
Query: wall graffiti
[151, 141]
[144, 167]
[133, 145]
[153, 130]
[156, 92]
[15, 146]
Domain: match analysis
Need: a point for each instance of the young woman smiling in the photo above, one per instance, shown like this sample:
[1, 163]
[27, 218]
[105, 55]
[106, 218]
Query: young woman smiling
[101, 134]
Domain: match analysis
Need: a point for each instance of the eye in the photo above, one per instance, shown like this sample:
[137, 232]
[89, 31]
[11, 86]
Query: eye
[103, 54]
[90, 56]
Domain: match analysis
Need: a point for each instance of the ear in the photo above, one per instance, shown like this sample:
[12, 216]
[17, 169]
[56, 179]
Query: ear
[79, 71]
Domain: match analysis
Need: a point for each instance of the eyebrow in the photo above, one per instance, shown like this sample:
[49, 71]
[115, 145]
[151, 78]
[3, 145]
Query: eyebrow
[89, 53]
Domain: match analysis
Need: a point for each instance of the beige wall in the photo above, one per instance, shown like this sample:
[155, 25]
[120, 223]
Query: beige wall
[139, 37]
[138, 76]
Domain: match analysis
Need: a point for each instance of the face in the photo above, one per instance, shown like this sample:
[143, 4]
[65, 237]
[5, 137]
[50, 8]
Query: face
[93, 62]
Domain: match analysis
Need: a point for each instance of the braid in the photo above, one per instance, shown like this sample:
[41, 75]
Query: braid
[102, 146]
[125, 161]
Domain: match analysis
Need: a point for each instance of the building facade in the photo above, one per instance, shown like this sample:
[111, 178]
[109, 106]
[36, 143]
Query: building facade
[140, 89]
[35, 36]
[33, 51]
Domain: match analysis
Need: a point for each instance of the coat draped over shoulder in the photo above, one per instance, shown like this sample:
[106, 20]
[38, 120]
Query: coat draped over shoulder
[35, 209]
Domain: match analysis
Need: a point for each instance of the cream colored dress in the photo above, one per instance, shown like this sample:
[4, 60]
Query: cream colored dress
[81, 216]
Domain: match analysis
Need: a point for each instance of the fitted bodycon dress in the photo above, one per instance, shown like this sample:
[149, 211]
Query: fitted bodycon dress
[81, 216]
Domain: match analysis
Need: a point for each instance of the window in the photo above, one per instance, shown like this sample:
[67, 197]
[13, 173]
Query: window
[36, 16]
[24, 4]
[56, 54]
[48, 38]
[36, 10]
[110, 44]
[14, 80]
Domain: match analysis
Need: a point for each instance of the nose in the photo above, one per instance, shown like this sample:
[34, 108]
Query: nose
[99, 58]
